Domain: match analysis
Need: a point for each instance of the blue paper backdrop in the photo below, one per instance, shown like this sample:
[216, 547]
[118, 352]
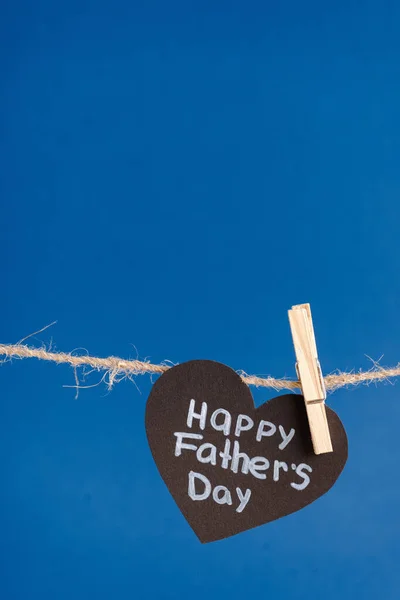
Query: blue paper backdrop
[174, 176]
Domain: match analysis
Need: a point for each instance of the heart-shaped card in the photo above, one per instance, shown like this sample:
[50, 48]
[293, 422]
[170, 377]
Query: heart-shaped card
[230, 466]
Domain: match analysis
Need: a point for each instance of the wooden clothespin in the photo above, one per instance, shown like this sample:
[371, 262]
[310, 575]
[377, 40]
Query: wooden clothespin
[310, 376]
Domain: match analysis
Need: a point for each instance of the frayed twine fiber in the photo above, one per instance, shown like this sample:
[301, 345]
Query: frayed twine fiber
[116, 369]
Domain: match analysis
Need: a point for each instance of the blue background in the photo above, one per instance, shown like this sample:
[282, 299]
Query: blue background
[174, 176]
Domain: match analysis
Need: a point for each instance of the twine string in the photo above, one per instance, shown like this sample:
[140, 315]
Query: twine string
[115, 369]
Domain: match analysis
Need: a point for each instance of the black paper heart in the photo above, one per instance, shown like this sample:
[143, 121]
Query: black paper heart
[278, 475]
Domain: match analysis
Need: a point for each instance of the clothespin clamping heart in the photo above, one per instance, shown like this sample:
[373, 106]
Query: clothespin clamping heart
[310, 376]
